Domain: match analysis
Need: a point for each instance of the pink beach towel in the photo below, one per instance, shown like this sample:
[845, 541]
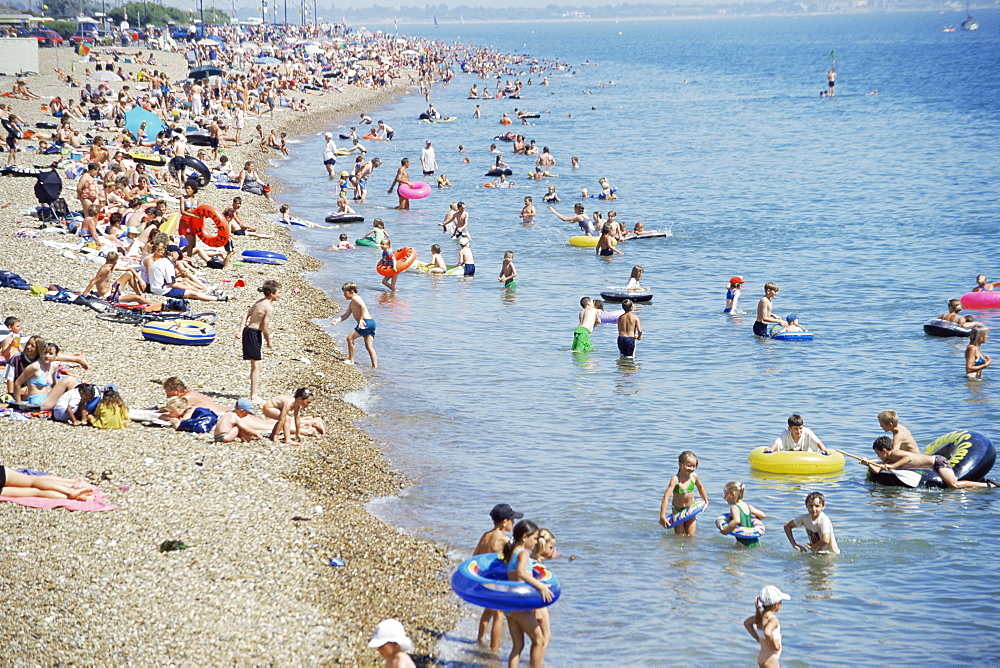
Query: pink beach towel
[94, 504]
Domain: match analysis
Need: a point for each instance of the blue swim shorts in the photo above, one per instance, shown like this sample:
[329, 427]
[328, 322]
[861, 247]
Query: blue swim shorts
[368, 329]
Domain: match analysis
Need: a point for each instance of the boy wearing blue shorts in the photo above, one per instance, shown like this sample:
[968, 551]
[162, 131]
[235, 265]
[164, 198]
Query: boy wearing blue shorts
[365, 328]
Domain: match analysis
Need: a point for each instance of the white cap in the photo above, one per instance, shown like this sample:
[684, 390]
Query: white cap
[770, 595]
[464, 241]
[390, 630]
[328, 135]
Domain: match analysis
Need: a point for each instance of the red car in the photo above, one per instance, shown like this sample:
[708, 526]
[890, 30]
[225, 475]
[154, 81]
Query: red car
[88, 38]
[46, 37]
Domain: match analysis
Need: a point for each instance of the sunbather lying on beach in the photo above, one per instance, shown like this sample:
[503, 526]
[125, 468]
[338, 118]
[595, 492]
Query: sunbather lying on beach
[14, 484]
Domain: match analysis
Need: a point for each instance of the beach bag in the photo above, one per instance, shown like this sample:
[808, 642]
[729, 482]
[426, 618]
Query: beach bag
[201, 421]
[9, 279]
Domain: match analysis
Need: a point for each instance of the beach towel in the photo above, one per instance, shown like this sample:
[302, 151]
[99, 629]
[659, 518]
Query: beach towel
[96, 503]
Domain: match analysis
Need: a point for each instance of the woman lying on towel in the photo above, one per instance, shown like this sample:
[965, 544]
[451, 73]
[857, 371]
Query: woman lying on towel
[14, 484]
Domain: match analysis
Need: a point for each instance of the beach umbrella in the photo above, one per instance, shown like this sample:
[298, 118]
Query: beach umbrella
[266, 60]
[135, 117]
[206, 41]
[104, 76]
[48, 186]
[312, 49]
[205, 71]
[409, 52]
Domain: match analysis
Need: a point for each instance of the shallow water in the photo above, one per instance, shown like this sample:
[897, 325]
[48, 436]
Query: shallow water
[870, 211]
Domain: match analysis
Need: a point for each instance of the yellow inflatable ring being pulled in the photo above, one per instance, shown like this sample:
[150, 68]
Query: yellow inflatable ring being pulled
[801, 463]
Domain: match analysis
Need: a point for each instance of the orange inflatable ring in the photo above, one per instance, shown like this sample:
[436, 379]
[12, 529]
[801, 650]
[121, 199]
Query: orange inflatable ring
[404, 258]
[193, 222]
[375, 137]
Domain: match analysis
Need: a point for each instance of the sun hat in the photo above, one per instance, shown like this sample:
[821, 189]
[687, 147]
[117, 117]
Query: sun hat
[390, 630]
[770, 595]
[737, 279]
[464, 241]
[244, 404]
[328, 135]
[503, 511]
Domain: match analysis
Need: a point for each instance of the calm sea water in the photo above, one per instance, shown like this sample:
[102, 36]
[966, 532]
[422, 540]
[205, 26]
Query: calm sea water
[870, 211]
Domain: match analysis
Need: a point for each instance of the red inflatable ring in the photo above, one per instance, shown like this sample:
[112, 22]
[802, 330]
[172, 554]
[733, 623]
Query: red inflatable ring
[193, 222]
[404, 258]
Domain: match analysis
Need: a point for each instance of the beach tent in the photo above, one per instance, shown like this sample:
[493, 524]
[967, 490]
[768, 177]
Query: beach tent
[135, 117]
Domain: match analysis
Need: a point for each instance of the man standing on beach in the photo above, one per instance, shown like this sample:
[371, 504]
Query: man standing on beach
[402, 178]
[214, 131]
[329, 154]
[428, 160]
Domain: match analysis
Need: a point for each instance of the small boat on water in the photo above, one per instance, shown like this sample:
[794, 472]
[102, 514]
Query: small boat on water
[970, 22]
[949, 29]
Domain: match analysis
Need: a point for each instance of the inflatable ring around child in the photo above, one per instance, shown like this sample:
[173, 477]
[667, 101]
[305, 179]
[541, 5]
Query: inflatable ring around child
[774, 331]
[746, 533]
[471, 584]
[801, 463]
[686, 514]
[193, 222]
[404, 258]
[414, 190]
[970, 454]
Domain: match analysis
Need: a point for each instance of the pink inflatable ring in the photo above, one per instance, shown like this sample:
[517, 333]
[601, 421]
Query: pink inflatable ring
[414, 190]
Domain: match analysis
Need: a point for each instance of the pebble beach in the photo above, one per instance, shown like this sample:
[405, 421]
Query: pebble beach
[261, 520]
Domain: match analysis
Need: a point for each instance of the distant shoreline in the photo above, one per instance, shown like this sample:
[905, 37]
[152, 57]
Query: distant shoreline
[632, 19]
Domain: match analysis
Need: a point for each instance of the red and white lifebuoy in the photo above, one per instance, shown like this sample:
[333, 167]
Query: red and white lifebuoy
[193, 222]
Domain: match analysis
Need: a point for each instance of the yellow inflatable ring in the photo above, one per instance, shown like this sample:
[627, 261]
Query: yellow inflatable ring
[801, 463]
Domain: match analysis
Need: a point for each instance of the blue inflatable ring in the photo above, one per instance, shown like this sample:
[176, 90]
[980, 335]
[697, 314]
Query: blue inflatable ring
[470, 584]
[686, 514]
[774, 331]
[747, 533]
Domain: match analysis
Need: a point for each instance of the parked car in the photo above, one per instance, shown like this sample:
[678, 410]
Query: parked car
[44, 36]
[88, 38]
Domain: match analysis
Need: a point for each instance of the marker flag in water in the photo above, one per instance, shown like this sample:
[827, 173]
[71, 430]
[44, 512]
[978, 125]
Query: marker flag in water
[833, 56]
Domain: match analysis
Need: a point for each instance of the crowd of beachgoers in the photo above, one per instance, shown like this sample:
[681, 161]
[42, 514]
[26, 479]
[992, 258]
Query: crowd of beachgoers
[112, 237]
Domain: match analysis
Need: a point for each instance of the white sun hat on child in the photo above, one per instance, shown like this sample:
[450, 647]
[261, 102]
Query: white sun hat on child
[770, 595]
[391, 630]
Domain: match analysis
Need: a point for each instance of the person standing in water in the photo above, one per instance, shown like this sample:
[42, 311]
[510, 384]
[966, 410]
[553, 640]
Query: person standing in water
[402, 179]
[831, 80]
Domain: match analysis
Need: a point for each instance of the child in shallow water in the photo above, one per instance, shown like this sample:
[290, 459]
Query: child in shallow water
[680, 491]
[741, 513]
[732, 293]
[765, 620]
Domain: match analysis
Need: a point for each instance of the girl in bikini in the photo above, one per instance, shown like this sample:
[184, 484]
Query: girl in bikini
[682, 487]
[516, 555]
